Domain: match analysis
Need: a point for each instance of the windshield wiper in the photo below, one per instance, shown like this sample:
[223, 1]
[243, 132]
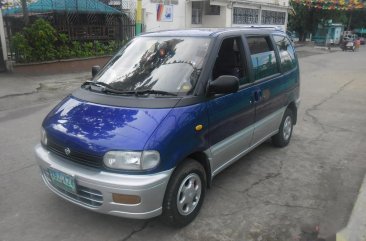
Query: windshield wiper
[108, 88]
[157, 92]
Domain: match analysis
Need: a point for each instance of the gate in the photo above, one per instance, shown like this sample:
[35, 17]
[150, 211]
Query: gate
[80, 20]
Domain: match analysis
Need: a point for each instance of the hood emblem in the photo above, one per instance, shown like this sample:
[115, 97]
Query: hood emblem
[67, 151]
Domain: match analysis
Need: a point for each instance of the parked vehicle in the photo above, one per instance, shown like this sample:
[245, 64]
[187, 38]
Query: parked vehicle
[147, 135]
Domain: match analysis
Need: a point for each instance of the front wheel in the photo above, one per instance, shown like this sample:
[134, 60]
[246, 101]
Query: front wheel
[282, 138]
[185, 194]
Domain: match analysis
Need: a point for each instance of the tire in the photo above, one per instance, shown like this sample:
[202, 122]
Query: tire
[188, 182]
[283, 137]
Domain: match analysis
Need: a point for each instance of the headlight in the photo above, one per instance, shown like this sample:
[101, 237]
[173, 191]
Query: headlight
[131, 160]
[43, 136]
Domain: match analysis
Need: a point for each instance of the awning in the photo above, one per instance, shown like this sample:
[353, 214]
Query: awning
[74, 6]
[360, 30]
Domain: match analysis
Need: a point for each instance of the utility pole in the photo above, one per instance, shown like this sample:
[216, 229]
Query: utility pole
[2, 40]
[139, 17]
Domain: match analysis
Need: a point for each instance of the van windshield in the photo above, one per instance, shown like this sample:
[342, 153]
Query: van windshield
[170, 64]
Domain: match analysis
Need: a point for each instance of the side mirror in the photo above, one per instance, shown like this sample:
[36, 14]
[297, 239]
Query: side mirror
[224, 84]
[95, 70]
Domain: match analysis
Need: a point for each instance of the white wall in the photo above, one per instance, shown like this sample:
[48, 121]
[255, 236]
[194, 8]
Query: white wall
[182, 14]
[215, 21]
[274, 2]
[151, 23]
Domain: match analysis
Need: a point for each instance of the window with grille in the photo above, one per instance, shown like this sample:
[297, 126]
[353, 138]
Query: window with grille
[273, 18]
[245, 16]
[197, 9]
[211, 9]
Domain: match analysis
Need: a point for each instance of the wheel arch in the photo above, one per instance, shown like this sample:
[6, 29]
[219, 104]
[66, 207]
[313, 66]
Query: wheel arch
[293, 108]
[202, 158]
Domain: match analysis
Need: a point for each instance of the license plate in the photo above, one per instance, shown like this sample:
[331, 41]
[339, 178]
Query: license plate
[62, 180]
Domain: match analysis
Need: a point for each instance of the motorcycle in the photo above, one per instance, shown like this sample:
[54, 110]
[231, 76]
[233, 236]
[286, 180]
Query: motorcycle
[348, 45]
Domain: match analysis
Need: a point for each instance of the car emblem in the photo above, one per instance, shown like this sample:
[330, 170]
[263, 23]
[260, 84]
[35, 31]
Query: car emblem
[67, 151]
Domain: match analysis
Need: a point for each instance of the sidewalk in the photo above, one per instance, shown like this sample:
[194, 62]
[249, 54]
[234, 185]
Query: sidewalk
[16, 84]
[309, 50]
[356, 227]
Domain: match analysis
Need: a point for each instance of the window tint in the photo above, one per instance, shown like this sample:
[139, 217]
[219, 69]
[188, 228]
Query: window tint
[231, 60]
[286, 51]
[263, 57]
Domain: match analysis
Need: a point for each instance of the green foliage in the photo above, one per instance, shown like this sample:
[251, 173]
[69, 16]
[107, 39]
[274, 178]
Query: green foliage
[41, 37]
[41, 42]
[307, 19]
[358, 19]
[21, 47]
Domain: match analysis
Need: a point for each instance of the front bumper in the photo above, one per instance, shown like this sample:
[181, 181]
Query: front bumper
[95, 187]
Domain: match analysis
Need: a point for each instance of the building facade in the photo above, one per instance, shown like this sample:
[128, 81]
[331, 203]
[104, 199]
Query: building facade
[180, 14]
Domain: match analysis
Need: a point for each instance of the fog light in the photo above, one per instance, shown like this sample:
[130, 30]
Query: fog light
[126, 199]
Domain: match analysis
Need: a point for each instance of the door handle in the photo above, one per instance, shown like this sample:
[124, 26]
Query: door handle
[257, 95]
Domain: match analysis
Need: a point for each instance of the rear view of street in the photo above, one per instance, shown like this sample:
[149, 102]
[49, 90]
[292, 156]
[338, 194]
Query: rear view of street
[270, 194]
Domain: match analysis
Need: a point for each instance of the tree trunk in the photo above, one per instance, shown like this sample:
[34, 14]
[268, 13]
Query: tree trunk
[25, 12]
[349, 21]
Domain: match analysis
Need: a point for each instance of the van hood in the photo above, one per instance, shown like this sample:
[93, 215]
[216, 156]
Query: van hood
[96, 129]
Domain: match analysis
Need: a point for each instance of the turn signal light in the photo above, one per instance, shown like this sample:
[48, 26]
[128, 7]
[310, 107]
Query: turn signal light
[126, 199]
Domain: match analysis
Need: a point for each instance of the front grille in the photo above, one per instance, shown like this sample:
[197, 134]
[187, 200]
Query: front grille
[75, 156]
[84, 195]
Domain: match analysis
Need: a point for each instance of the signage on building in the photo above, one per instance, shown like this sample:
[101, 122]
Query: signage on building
[164, 13]
[166, 2]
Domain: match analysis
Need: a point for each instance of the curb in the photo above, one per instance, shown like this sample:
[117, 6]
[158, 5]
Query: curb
[356, 226]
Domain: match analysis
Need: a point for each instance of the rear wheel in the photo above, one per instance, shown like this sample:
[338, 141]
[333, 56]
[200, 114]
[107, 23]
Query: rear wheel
[185, 194]
[282, 138]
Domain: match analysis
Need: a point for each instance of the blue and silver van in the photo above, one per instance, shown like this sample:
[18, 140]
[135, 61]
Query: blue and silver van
[147, 135]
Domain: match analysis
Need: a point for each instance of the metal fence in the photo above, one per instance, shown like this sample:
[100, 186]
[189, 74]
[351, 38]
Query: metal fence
[80, 20]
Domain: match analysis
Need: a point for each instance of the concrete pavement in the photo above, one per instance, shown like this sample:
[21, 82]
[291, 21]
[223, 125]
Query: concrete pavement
[17, 84]
[267, 195]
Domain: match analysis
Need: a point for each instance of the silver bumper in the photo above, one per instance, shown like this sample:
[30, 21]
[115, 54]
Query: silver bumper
[100, 185]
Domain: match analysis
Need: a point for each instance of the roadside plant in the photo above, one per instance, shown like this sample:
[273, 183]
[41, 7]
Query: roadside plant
[41, 42]
[21, 48]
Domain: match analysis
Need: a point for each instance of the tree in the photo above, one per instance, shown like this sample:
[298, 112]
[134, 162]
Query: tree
[25, 12]
[299, 21]
[358, 19]
[305, 20]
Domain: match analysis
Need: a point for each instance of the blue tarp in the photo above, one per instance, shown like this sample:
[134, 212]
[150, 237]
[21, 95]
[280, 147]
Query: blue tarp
[81, 6]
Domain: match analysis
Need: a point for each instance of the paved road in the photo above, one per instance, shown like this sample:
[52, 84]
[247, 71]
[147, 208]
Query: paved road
[267, 195]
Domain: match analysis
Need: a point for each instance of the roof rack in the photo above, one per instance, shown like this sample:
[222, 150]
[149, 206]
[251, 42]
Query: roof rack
[267, 27]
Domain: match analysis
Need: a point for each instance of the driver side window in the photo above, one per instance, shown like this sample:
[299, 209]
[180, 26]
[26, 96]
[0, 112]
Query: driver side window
[231, 60]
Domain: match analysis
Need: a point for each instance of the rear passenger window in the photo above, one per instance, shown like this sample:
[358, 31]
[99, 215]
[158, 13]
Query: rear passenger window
[286, 51]
[263, 56]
